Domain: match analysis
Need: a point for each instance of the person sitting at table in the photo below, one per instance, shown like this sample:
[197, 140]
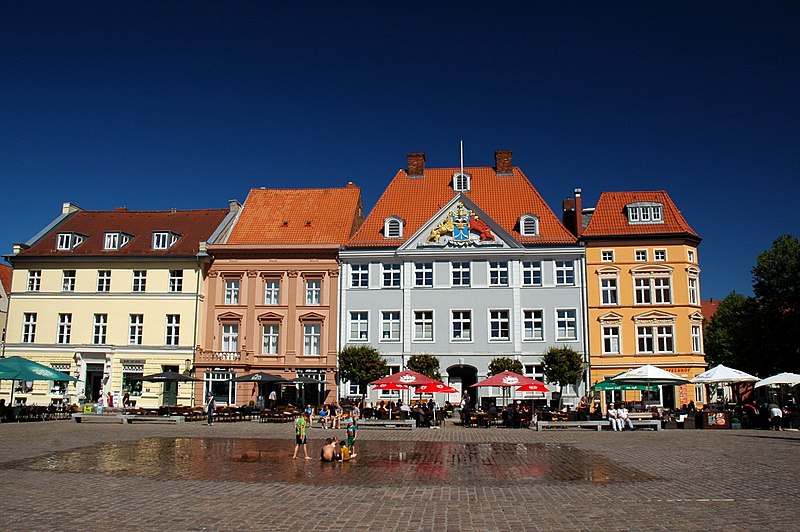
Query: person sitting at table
[613, 420]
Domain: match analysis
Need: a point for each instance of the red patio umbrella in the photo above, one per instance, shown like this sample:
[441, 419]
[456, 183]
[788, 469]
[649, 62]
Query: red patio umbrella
[390, 386]
[407, 377]
[507, 379]
[537, 387]
[438, 387]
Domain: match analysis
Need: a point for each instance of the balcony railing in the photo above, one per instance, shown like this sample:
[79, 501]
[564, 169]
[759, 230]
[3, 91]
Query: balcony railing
[224, 357]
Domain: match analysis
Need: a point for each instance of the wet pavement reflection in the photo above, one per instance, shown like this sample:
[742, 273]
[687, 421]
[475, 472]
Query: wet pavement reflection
[377, 464]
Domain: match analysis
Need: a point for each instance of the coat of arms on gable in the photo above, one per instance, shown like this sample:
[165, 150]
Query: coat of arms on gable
[459, 227]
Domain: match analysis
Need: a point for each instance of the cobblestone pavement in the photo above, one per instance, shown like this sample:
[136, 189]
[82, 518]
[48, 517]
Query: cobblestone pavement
[61, 475]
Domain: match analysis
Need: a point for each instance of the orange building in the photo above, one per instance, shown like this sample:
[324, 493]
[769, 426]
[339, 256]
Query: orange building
[273, 294]
[643, 292]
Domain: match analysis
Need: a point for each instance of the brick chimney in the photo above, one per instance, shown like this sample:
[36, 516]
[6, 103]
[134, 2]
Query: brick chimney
[416, 164]
[502, 162]
[572, 213]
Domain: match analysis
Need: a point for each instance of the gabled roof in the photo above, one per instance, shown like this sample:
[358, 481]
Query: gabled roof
[298, 216]
[504, 198]
[193, 226]
[5, 277]
[609, 218]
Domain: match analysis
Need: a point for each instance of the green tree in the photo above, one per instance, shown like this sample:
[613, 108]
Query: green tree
[776, 285]
[733, 334]
[361, 364]
[562, 365]
[426, 364]
[501, 364]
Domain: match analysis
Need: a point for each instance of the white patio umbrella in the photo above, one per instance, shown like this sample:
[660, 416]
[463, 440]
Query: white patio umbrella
[723, 374]
[648, 374]
[781, 378]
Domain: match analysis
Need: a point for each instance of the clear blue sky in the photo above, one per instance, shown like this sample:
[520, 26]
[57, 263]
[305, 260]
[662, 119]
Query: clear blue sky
[154, 105]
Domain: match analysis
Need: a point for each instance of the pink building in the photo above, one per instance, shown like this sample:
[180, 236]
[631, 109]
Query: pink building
[273, 289]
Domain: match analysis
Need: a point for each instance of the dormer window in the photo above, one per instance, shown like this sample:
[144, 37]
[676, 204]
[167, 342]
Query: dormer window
[115, 240]
[68, 241]
[461, 182]
[529, 225]
[645, 212]
[164, 239]
[393, 227]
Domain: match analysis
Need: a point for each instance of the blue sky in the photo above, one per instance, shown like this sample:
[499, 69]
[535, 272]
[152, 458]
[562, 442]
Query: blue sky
[155, 105]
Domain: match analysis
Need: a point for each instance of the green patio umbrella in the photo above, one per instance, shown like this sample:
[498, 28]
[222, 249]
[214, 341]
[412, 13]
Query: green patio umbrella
[21, 369]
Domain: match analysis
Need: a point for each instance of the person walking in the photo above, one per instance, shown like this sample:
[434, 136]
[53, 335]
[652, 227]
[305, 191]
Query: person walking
[211, 404]
[301, 436]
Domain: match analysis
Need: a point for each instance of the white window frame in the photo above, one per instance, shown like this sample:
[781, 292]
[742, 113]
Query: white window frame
[697, 338]
[640, 255]
[164, 240]
[64, 328]
[135, 329]
[607, 255]
[111, 241]
[532, 273]
[609, 291]
[390, 326]
[270, 338]
[34, 280]
[665, 338]
[461, 273]
[29, 327]
[68, 280]
[272, 291]
[391, 275]
[499, 325]
[392, 228]
[461, 182]
[172, 334]
[139, 281]
[100, 329]
[359, 276]
[529, 225]
[229, 340]
[611, 339]
[660, 255]
[533, 325]
[64, 241]
[565, 272]
[690, 255]
[313, 291]
[423, 326]
[358, 330]
[566, 322]
[232, 287]
[461, 325]
[103, 280]
[659, 338]
[694, 298]
[175, 281]
[498, 273]
[423, 274]
[312, 336]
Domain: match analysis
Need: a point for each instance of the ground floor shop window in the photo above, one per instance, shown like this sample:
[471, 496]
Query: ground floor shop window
[132, 379]
[218, 382]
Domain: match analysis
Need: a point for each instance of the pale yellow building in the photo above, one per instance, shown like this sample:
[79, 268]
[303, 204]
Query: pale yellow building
[643, 293]
[110, 296]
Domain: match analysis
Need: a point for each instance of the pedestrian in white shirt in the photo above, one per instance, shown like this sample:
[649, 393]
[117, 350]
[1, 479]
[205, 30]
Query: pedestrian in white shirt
[613, 420]
[622, 415]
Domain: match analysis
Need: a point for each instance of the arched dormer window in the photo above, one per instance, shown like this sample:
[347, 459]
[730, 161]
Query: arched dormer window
[393, 227]
[461, 182]
[529, 225]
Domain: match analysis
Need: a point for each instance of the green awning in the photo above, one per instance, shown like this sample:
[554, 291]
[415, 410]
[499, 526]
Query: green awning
[610, 386]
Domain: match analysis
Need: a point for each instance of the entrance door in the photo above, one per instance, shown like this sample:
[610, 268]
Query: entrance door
[170, 389]
[94, 382]
[668, 396]
[468, 375]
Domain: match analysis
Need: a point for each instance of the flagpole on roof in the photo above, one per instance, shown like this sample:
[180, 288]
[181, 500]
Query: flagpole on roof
[462, 157]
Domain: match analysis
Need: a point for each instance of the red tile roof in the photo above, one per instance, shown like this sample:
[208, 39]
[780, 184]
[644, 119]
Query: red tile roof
[503, 198]
[298, 216]
[193, 226]
[709, 307]
[609, 218]
[5, 277]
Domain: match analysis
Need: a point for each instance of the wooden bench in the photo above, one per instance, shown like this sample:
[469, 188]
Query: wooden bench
[386, 424]
[126, 418]
[591, 424]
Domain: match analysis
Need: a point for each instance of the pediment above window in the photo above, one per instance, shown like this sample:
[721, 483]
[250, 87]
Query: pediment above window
[610, 318]
[270, 316]
[229, 316]
[654, 317]
[650, 269]
[311, 317]
[608, 271]
[695, 316]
